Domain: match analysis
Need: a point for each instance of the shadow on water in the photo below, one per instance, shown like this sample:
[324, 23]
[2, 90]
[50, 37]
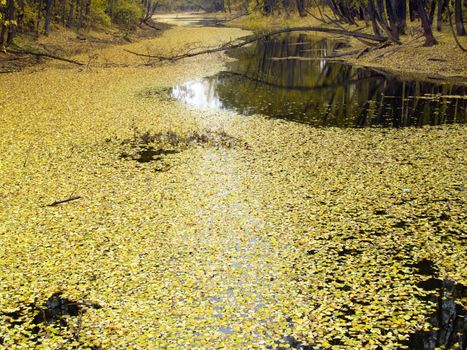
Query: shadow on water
[287, 78]
[55, 310]
[148, 154]
[449, 327]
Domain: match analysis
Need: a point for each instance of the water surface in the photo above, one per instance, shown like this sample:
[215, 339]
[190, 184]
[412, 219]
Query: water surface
[289, 77]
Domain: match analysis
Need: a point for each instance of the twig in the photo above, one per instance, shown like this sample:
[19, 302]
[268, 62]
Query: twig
[342, 27]
[362, 52]
[64, 201]
[319, 9]
[397, 48]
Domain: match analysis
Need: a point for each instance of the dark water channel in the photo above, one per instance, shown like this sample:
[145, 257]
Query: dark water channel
[287, 77]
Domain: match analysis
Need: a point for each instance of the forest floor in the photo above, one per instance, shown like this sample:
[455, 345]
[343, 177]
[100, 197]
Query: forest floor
[444, 61]
[63, 42]
[128, 220]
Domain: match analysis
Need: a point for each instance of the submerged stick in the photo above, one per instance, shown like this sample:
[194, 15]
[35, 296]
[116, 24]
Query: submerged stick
[64, 201]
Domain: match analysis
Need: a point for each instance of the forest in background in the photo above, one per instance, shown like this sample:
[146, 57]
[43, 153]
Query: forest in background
[387, 18]
[40, 16]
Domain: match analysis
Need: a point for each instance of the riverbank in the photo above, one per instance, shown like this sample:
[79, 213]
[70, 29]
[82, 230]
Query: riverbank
[131, 221]
[444, 61]
[65, 43]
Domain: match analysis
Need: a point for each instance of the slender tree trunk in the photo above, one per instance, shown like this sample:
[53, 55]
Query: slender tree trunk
[440, 15]
[459, 18]
[81, 14]
[267, 7]
[48, 11]
[63, 13]
[372, 14]
[301, 7]
[10, 17]
[361, 14]
[2, 28]
[39, 16]
[2, 35]
[401, 14]
[286, 6]
[382, 20]
[412, 9]
[87, 13]
[246, 6]
[429, 38]
[20, 16]
[432, 11]
[70, 21]
[334, 9]
[394, 25]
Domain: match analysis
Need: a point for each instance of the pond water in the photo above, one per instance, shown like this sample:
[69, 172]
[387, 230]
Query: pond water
[287, 77]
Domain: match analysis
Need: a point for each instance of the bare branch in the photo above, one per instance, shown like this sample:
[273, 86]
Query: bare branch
[43, 54]
[250, 39]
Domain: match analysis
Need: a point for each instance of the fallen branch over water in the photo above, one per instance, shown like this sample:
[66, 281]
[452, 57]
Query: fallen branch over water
[251, 39]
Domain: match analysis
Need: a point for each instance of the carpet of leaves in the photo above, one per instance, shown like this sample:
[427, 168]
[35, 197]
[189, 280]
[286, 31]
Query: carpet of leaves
[290, 233]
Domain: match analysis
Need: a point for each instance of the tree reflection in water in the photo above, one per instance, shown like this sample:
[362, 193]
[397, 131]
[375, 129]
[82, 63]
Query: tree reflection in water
[287, 78]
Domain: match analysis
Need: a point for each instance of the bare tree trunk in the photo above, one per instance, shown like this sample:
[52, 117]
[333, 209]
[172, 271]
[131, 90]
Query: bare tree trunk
[431, 17]
[20, 16]
[87, 14]
[70, 21]
[246, 5]
[301, 7]
[412, 8]
[111, 10]
[394, 25]
[382, 20]
[10, 17]
[372, 14]
[48, 11]
[429, 38]
[459, 18]
[2, 35]
[39, 16]
[401, 14]
[63, 13]
[80, 16]
[440, 15]
[286, 6]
